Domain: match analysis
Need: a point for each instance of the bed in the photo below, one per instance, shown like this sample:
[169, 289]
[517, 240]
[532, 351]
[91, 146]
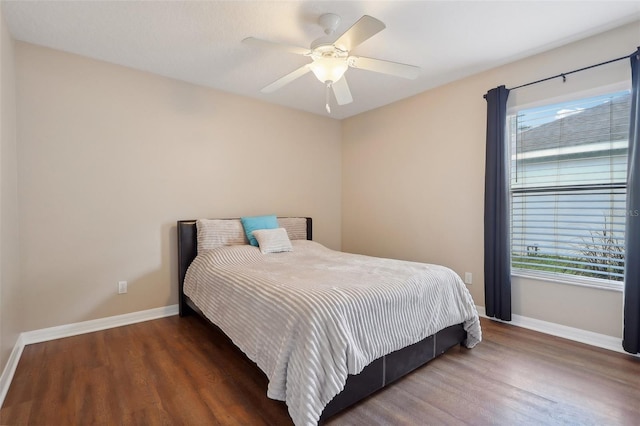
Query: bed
[327, 359]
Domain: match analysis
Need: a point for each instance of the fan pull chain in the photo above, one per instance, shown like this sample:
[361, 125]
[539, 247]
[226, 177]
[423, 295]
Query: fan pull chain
[327, 97]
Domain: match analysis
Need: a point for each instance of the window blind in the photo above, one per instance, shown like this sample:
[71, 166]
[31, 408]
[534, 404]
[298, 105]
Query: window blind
[568, 187]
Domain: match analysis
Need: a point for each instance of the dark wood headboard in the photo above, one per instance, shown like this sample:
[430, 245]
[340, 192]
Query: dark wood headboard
[187, 251]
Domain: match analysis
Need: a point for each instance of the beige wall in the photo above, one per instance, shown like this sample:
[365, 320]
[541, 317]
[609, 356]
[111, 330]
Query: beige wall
[110, 158]
[10, 290]
[413, 176]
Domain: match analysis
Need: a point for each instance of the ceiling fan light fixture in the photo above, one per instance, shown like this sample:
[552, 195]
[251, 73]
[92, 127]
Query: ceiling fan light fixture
[331, 57]
[328, 69]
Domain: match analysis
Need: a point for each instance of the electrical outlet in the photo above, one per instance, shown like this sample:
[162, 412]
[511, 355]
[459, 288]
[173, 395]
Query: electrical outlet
[122, 287]
[468, 278]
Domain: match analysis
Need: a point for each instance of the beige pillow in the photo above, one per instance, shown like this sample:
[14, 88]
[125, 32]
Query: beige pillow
[213, 233]
[296, 227]
[273, 240]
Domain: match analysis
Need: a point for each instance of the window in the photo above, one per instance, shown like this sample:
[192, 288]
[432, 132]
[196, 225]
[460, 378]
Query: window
[568, 188]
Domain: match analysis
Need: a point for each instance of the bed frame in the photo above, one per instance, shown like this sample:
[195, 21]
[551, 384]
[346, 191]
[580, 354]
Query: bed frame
[374, 376]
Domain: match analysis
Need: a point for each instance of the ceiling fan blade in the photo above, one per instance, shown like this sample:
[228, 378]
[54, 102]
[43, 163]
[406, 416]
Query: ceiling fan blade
[341, 91]
[385, 67]
[365, 28]
[275, 46]
[286, 79]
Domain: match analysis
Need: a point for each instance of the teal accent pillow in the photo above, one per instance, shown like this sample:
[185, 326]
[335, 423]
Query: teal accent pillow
[253, 223]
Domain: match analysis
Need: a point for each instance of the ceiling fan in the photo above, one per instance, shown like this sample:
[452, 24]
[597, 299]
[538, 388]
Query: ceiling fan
[331, 57]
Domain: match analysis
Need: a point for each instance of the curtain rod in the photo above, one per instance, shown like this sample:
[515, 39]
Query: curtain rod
[565, 74]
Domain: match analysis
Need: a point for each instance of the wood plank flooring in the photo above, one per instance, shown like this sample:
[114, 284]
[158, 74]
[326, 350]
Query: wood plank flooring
[181, 371]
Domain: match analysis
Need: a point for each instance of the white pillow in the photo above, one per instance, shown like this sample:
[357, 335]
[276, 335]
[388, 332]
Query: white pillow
[272, 240]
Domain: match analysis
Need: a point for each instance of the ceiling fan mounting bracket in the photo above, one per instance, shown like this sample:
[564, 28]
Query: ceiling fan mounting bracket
[329, 22]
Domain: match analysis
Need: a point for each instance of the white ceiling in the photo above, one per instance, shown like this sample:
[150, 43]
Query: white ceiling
[200, 41]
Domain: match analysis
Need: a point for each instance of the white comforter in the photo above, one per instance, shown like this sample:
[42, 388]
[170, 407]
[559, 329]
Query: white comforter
[310, 317]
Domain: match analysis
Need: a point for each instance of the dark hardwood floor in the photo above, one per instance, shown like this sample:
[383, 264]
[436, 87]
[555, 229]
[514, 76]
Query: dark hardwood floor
[181, 371]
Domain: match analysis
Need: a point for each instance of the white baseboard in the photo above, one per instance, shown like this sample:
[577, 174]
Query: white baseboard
[576, 334]
[51, 333]
[10, 368]
[68, 330]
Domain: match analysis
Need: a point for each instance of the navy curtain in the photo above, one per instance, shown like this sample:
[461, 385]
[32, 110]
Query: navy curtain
[497, 250]
[631, 334]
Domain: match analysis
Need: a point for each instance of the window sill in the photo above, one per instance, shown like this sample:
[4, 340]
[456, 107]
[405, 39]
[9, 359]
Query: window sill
[570, 280]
